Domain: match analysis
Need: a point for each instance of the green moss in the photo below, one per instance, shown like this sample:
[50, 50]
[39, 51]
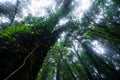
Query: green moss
[13, 29]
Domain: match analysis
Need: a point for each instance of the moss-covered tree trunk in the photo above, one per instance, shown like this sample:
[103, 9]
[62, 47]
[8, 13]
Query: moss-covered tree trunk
[23, 52]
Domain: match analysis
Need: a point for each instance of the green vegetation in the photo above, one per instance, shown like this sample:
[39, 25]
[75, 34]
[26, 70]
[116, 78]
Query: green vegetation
[40, 48]
[14, 29]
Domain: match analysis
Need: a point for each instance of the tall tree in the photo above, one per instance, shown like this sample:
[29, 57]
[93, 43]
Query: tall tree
[28, 46]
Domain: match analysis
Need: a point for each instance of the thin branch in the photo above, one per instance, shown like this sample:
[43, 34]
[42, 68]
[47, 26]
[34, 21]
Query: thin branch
[22, 63]
[14, 13]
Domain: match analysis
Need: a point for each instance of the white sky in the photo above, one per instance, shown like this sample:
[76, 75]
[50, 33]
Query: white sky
[39, 7]
[11, 1]
[63, 21]
[98, 47]
[80, 7]
[3, 19]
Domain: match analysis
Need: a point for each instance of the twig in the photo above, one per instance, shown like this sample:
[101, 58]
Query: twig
[22, 63]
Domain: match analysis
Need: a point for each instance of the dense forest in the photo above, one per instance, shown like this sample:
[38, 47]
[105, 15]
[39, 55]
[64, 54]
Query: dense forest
[59, 39]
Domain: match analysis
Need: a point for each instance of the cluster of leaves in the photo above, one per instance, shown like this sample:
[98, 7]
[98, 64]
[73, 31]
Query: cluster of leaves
[8, 32]
[94, 32]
